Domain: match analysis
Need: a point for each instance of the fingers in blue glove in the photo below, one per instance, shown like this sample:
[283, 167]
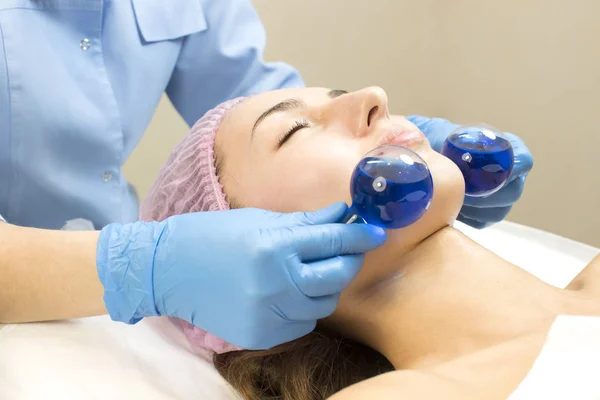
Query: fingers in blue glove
[328, 215]
[513, 190]
[491, 215]
[473, 223]
[326, 277]
[325, 241]
[307, 308]
[507, 196]
[481, 212]
[523, 157]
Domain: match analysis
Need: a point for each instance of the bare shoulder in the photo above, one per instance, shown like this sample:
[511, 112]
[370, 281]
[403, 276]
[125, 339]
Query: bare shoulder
[407, 385]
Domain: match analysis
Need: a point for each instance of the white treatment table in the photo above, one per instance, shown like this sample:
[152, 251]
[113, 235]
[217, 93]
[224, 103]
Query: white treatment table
[95, 358]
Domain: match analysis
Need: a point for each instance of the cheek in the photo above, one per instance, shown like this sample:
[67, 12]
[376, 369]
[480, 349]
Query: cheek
[307, 177]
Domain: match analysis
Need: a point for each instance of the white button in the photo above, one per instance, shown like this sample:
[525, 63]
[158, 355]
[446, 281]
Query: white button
[107, 176]
[85, 44]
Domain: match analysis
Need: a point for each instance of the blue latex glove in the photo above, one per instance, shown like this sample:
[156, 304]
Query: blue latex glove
[251, 277]
[482, 212]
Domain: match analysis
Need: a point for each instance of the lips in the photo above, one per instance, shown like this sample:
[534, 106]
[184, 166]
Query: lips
[401, 136]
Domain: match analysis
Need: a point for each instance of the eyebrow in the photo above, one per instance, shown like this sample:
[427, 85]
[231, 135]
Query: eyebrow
[336, 93]
[289, 105]
[286, 105]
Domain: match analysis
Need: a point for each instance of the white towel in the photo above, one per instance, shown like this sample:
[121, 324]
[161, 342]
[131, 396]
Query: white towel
[568, 366]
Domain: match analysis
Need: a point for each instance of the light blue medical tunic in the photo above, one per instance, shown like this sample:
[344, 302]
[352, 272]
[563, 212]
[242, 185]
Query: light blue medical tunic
[79, 83]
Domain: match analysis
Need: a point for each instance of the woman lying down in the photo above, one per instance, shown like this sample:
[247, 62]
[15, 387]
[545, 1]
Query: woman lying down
[431, 315]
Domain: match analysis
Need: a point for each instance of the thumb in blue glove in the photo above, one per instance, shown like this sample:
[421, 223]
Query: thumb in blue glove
[481, 212]
[251, 277]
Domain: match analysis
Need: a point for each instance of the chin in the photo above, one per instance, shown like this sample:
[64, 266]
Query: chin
[447, 200]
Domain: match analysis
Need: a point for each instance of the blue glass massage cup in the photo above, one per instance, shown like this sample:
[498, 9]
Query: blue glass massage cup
[483, 155]
[391, 188]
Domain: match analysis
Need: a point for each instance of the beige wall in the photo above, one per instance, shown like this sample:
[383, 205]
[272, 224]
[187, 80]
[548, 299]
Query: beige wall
[530, 67]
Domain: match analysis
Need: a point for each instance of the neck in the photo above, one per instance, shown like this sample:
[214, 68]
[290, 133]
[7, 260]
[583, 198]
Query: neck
[446, 298]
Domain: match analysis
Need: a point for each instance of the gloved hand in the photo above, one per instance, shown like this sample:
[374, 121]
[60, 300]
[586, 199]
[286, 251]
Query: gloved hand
[251, 277]
[482, 212]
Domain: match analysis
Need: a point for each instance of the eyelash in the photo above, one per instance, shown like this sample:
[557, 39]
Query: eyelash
[295, 128]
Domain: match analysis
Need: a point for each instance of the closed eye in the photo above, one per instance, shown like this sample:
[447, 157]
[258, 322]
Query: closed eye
[295, 128]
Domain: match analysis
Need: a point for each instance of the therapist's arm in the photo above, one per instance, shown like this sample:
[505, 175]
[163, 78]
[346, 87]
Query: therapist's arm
[48, 275]
[225, 61]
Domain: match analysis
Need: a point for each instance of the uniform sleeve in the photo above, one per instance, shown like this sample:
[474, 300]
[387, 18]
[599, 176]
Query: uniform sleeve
[225, 61]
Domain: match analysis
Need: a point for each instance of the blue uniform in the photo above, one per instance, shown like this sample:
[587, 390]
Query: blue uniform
[81, 79]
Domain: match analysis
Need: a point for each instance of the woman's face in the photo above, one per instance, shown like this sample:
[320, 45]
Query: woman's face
[295, 150]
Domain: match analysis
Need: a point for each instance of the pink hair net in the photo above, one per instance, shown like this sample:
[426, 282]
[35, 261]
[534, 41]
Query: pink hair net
[188, 183]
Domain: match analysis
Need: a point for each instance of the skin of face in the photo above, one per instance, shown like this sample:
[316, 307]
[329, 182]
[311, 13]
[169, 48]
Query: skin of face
[313, 167]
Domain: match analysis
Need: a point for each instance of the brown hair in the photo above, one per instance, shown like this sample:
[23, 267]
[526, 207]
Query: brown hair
[313, 367]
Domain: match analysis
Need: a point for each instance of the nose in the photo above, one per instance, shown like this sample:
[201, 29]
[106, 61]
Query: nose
[362, 109]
